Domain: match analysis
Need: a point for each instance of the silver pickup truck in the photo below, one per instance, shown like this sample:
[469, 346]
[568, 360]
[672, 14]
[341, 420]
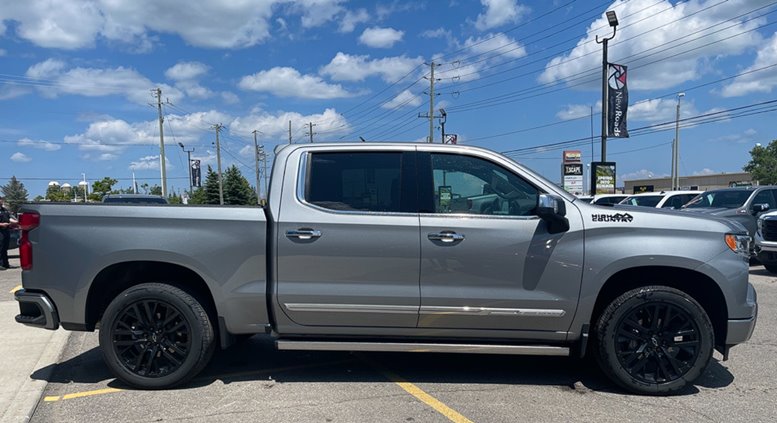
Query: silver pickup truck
[393, 247]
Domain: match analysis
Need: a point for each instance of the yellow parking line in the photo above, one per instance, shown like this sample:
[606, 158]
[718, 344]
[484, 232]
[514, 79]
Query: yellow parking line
[419, 394]
[16, 288]
[82, 394]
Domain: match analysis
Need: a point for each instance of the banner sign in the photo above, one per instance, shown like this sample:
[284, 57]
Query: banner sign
[643, 188]
[451, 138]
[573, 178]
[617, 101]
[603, 177]
[196, 174]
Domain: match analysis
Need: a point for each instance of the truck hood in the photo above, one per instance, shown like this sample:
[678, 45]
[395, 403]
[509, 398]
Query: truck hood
[709, 210]
[648, 217]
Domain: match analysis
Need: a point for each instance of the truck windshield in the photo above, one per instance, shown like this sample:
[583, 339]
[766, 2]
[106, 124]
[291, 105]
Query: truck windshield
[726, 199]
[642, 200]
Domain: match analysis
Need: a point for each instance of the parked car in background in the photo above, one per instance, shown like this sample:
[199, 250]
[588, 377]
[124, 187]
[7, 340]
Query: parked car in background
[608, 199]
[585, 198]
[766, 241]
[744, 205]
[662, 199]
[134, 198]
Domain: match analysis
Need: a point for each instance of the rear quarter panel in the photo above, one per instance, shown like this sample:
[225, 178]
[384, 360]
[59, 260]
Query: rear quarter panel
[225, 246]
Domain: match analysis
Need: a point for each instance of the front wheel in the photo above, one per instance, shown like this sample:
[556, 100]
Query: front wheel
[156, 336]
[654, 340]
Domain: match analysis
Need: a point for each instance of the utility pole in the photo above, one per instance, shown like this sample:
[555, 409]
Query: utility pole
[218, 127]
[256, 162]
[310, 132]
[162, 164]
[188, 164]
[289, 132]
[431, 115]
[676, 147]
[443, 119]
[612, 19]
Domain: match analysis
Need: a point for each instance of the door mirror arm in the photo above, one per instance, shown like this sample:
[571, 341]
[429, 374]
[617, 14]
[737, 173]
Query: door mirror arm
[553, 210]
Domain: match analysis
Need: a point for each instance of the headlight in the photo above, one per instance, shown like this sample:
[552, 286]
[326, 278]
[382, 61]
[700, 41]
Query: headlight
[739, 244]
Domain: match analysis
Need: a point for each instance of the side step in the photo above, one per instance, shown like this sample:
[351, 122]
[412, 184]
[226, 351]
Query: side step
[282, 344]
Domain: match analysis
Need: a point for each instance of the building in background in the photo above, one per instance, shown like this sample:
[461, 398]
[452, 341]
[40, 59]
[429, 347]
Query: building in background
[697, 182]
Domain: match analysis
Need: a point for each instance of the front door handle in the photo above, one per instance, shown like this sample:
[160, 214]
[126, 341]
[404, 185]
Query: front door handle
[303, 233]
[446, 236]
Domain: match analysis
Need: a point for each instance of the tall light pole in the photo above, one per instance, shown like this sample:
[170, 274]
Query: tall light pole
[256, 162]
[676, 147]
[612, 19]
[189, 165]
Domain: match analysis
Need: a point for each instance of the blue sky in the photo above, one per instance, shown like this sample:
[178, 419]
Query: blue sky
[519, 76]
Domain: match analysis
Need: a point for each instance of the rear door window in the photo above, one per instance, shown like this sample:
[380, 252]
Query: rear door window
[355, 181]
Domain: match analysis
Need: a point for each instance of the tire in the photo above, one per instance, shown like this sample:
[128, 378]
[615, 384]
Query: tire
[655, 356]
[772, 268]
[156, 336]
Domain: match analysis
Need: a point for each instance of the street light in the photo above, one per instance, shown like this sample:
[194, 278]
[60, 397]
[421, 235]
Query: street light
[443, 119]
[189, 165]
[612, 19]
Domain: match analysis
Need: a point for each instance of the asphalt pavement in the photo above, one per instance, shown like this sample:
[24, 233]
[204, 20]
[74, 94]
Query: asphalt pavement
[254, 382]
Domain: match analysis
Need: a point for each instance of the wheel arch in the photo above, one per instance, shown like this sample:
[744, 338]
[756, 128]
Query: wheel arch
[114, 279]
[699, 286]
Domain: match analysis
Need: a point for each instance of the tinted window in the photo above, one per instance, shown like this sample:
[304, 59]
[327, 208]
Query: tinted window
[677, 201]
[470, 185]
[727, 199]
[615, 199]
[764, 197]
[355, 181]
[643, 200]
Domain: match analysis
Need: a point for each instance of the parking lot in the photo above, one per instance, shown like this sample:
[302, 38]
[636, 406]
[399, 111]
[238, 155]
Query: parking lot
[253, 382]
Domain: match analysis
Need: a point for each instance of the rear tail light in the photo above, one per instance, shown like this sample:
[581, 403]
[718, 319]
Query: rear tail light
[27, 222]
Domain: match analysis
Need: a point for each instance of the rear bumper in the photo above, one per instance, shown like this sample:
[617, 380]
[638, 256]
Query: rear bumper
[740, 330]
[36, 309]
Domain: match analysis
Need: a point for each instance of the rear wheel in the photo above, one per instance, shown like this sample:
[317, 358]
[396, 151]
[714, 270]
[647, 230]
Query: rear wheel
[654, 340]
[156, 336]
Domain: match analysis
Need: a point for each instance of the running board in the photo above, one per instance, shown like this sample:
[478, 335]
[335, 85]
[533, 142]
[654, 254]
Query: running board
[425, 347]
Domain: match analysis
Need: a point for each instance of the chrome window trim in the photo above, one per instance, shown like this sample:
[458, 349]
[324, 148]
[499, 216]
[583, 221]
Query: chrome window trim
[489, 311]
[302, 179]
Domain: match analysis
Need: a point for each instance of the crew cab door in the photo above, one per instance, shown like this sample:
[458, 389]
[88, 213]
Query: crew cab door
[348, 239]
[487, 260]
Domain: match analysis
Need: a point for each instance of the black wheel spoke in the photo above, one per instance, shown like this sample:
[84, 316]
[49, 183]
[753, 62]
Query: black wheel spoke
[151, 338]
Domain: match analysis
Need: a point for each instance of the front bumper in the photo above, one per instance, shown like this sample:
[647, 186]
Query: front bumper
[765, 250]
[36, 309]
[740, 330]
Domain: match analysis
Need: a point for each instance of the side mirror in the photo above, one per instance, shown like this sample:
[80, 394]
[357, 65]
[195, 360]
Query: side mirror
[759, 208]
[553, 210]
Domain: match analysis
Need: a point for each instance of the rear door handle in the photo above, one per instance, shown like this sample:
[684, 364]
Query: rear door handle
[446, 236]
[303, 234]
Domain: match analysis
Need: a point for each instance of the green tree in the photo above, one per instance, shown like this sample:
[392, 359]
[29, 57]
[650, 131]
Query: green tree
[15, 194]
[237, 190]
[763, 164]
[102, 188]
[56, 193]
[174, 198]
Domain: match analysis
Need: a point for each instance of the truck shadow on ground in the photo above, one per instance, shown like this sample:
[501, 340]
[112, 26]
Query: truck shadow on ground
[257, 360]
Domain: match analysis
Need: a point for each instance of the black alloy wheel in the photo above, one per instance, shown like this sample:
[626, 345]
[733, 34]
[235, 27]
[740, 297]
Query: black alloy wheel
[151, 338]
[657, 342]
[156, 335]
[654, 340]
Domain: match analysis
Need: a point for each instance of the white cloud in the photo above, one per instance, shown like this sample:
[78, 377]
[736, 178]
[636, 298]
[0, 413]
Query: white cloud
[499, 12]
[274, 126]
[40, 144]
[380, 37]
[404, 99]
[649, 33]
[229, 97]
[705, 171]
[642, 174]
[756, 82]
[436, 33]
[317, 12]
[575, 111]
[492, 44]
[8, 92]
[20, 157]
[288, 82]
[3, 52]
[349, 21]
[74, 25]
[94, 82]
[345, 67]
[149, 163]
[185, 71]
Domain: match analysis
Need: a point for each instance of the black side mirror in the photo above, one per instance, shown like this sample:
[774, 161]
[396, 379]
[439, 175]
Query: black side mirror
[759, 208]
[553, 210]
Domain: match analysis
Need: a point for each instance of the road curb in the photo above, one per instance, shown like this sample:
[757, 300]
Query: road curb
[27, 398]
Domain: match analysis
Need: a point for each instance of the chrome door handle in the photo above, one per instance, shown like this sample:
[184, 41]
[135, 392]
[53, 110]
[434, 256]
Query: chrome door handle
[446, 236]
[303, 234]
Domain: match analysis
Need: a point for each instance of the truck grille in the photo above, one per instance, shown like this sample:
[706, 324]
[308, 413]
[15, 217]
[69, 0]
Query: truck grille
[769, 229]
